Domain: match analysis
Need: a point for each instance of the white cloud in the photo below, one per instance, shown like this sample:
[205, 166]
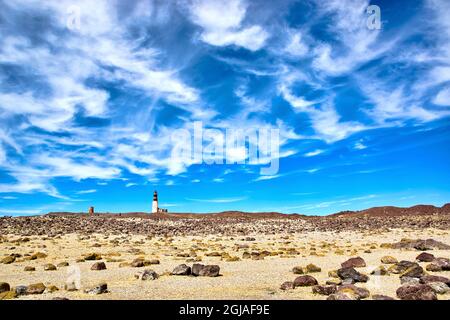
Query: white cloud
[359, 145]
[87, 191]
[222, 24]
[443, 97]
[313, 153]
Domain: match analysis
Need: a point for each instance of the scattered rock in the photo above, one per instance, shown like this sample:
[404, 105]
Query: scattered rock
[416, 292]
[402, 266]
[354, 292]
[92, 256]
[49, 267]
[381, 297]
[182, 270]
[356, 262]
[8, 295]
[4, 287]
[288, 285]
[351, 273]
[439, 264]
[21, 290]
[29, 268]
[196, 268]
[138, 263]
[414, 271]
[427, 279]
[99, 289]
[298, 270]
[388, 260]
[38, 255]
[335, 282]
[209, 271]
[98, 266]
[51, 289]
[380, 271]
[425, 257]
[439, 287]
[409, 280]
[305, 281]
[71, 286]
[147, 274]
[311, 268]
[8, 259]
[37, 288]
[339, 296]
[325, 290]
[63, 264]
[419, 244]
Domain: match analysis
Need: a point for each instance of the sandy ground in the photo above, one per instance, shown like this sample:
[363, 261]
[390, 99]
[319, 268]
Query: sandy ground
[244, 279]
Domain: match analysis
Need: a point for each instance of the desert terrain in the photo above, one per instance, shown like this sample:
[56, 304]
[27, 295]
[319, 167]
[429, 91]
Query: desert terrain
[381, 253]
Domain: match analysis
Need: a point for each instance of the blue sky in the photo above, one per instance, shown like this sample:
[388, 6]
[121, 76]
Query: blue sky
[92, 91]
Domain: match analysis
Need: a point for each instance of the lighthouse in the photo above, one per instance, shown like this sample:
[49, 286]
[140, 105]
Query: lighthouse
[155, 202]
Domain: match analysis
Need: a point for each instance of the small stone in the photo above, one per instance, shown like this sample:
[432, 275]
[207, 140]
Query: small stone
[402, 266]
[380, 271]
[409, 280]
[334, 282]
[339, 296]
[8, 295]
[333, 274]
[99, 289]
[356, 262]
[426, 279]
[439, 264]
[353, 291]
[388, 260]
[37, 288]
[381, 297]
[439, 287]
[298, 270]
[98, 266]
[416, 292]
[29, 268]
[38, 255]
[311, 268]
[4, 287]
[182, 270]
[147, 274]
[415, 271]
[70, 286]
[8, 259]
[21, 290]
[288, 285]
[63, 264]
[425, 257]
[51, 289]
[49, 267]
[196, 268]
[305, 281]
[324, 290]
[138, 263]
[93, 256]
[60, 298]
[351, 273]
[210, 271]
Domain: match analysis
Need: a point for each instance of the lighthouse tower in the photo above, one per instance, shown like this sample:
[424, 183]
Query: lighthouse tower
[155, 202]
